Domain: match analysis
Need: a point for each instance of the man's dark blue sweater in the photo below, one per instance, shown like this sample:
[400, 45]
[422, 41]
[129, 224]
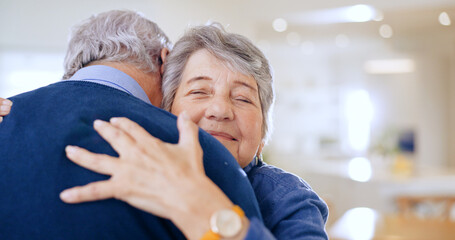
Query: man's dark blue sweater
[34, 168]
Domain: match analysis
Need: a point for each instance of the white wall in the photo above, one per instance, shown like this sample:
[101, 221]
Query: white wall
[45, 24]
[309, 87]
[452, 106]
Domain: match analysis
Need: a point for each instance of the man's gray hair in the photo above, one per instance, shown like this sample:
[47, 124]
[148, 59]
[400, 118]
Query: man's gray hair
[116, 36]
[239, 54]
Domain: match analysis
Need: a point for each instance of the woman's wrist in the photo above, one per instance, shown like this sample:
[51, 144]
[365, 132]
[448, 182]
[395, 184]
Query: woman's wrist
[192, 217]
[230, 224]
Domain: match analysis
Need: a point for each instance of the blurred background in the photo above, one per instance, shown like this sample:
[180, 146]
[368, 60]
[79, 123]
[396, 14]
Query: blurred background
[365, 108]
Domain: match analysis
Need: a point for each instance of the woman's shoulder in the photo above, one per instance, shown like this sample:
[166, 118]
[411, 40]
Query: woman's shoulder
[288, 204]
[268, 174]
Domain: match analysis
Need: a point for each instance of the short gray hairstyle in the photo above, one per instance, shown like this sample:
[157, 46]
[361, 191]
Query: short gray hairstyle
[237, 51]
[116, 36]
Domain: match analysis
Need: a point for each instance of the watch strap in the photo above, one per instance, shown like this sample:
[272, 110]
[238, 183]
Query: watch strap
[210, 235]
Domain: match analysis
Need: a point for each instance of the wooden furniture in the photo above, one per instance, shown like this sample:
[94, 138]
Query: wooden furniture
[366, 223]
[437, 207]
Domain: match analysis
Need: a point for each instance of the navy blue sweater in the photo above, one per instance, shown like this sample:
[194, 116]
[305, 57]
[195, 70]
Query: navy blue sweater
[34, 168]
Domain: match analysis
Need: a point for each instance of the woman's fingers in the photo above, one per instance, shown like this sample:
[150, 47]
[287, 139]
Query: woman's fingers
[189, 131]
[117, 138]
[99, 163]
[5, 106]
[189, 140]
[6, 102]
[90, 192]
[138, 133]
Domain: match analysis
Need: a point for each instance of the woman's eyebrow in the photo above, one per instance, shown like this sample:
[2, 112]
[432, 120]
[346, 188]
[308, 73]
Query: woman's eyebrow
[197, 78]
[238, 82]
[207, 78]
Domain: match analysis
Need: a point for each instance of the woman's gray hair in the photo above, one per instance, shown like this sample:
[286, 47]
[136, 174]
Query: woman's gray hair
[116, 36]
[239, 54]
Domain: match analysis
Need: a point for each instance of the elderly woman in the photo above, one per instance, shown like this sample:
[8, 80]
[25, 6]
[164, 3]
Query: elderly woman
[223, 83]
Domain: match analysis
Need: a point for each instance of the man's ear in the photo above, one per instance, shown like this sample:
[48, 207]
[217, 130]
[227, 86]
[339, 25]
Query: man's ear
[164, 53]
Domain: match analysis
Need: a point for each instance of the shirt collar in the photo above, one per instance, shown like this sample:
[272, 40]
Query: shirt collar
[252, 164]
[111, 77]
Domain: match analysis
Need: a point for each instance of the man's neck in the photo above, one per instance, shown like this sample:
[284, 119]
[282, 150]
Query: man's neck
[149, 82]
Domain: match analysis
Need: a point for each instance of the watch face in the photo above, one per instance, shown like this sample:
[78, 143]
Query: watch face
[226, 223]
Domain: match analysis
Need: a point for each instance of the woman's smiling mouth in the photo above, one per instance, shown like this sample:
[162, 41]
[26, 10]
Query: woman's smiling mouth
[222, 135]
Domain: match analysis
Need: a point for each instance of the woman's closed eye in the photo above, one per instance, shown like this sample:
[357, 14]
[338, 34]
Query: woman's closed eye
[198, 92]
[244, 100]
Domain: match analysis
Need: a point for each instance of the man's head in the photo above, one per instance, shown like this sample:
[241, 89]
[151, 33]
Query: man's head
[116, 36]
[122, 39]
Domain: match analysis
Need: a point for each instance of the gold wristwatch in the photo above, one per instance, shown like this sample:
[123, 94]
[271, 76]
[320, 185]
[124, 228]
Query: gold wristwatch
[225, 223]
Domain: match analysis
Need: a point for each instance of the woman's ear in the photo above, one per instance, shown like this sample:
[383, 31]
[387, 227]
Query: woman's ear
[163, 55]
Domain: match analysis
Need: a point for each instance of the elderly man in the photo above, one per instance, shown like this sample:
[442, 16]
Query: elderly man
[113, 68]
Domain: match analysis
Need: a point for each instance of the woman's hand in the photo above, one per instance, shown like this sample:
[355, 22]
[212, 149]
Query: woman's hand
[167, 180]
[5, 107]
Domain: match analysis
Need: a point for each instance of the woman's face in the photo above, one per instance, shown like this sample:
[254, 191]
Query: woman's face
[223, 103]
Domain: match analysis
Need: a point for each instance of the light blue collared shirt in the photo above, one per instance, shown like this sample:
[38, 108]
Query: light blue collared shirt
[111, 77]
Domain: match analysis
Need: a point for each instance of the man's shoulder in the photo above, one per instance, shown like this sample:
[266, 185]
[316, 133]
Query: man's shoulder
[64, 114]
[34, 135]
[69, 99]
[81, 91]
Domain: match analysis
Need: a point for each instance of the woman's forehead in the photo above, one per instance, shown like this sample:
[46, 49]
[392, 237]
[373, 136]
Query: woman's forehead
[204, 66]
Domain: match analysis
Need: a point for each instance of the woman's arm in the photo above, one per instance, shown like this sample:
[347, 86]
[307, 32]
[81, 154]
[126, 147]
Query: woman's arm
[5, 107]
[164, 179]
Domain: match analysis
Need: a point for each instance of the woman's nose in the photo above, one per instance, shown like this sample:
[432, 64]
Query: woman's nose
[219, 109]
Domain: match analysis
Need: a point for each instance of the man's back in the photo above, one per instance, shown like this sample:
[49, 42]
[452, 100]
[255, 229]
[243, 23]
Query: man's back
[34, 168]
